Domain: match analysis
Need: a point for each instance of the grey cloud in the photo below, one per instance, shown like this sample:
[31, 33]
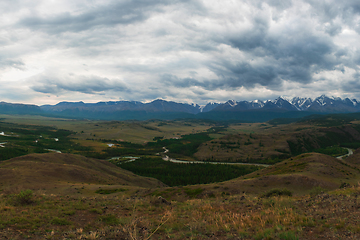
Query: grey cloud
[280, 4]
[119, 12]
[353, 85]
[265, 43]
[68, 22]
[331, 11]
[333, 29]
[277, 4]
[90, 85]
[294, 55]
[252, 38]
[235, 75]
[5, 63]
[180, 82]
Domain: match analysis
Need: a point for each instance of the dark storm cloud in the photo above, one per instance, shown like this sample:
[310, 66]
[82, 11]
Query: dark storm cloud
[89, 85]
[252, 38]
[294, 54]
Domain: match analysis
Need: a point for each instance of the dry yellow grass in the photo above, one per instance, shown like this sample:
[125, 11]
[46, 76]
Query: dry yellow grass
[122, 216]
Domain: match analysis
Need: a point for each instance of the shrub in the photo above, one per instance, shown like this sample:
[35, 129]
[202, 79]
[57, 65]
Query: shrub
[344, 185]
[96, 210]
[110, 191]
[277, 192]
[23, 198]
[60, 221]
[289, 235]
[109, 219]
[192, 193]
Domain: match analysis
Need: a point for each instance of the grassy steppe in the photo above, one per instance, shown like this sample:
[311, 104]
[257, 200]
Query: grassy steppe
[74, 197]
[73, 206]
[332, 215]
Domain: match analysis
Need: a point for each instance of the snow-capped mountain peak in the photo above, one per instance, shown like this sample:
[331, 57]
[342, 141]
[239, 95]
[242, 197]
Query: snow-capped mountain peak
[232, 103]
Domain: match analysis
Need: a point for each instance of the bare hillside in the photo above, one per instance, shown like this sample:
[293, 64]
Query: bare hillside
[52, 170]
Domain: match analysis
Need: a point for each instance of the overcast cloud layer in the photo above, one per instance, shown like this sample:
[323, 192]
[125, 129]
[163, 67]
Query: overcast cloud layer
[186, 51]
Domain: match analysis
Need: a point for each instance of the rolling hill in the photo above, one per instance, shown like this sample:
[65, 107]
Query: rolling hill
[302, 173]
[52, 171]
[298, 174]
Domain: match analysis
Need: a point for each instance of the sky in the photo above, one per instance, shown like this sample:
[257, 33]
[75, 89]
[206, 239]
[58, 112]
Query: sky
[191, 51]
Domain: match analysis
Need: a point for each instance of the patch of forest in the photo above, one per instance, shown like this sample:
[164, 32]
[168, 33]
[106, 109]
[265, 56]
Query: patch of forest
[327, 140]
[21, 139]
[182, 174]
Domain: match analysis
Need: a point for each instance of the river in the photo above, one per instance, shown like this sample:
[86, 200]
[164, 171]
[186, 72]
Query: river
[167, 158]
[350, 152]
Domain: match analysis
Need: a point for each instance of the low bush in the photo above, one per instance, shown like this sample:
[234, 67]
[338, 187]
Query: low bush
[109, 219]
[316, 191]
[276, 192]
[344, 185]
[193, 192]
[110, 191]
[60, 221]
[23, 198]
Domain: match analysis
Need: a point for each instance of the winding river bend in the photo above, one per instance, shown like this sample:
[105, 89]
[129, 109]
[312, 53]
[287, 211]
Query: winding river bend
[167, 158]
[350, 152]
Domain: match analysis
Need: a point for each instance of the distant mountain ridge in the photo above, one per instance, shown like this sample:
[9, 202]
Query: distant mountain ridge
[154, 106]
[319, 104]
[256, 110]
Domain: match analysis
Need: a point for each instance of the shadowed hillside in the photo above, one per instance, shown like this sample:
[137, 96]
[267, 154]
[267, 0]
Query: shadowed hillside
[53, 170]
[299, 174]
[354, 159]
[304, 172]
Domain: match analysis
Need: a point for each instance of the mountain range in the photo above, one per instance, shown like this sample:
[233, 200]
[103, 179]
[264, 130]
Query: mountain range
[160, 109]
[319, 104]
